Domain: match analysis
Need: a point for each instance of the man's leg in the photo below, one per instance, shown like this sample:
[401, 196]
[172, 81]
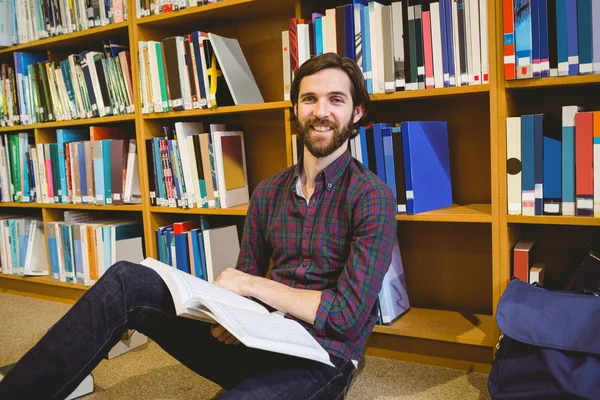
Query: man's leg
[274, 376]
[128, 296]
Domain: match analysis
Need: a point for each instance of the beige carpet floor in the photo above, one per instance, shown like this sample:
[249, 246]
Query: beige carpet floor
[150, 373]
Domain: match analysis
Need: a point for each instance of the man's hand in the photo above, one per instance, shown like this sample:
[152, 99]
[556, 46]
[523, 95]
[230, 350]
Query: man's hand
[235, 281]
[223, 335]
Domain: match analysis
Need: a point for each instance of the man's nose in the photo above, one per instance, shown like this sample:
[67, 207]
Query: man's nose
[321, 109]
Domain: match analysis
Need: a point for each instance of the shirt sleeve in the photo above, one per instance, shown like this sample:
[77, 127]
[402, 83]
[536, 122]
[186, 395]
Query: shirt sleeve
[255, 252]
[345, 309]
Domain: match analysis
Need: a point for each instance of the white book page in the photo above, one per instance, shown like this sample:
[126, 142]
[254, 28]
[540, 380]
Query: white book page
[187, 289]
[270, 332]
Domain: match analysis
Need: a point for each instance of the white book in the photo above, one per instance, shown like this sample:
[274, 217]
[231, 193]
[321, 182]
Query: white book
[483, 32]
[103, 109]
[513, 164]
[436, 44]
[329, 31]
[36, 261]
[398, 43]
[303, 44]
[251, 323]
[287, 74]
[232, 176]
[184, 130]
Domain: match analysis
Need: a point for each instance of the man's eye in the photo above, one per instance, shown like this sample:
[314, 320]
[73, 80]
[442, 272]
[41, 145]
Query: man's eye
[337, 100]
[308, 99]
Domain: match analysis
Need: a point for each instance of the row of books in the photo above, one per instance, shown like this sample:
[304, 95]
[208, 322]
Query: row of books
[199, 70]
[551, 38]
[145, 8]
[82, 247]
[21, 239]
[189, 168]
[397, 46]
[552, 163]
[196, 248]
[85, 85]
[96, 166]
[32, 20]
[412, 158]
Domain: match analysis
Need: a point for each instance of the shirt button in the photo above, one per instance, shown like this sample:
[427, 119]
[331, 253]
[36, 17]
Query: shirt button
[306, 235]
[329, 185]
[301, 201]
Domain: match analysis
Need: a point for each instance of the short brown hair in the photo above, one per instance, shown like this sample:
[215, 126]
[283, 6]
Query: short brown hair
[358, 88]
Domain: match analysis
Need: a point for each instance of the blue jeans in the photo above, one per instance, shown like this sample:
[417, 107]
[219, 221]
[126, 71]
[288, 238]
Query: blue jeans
[131, 296]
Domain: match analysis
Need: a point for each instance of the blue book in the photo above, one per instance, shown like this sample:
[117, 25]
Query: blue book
[561, 38]
[544, 46]
[426, 165]
[22, 62]
[538, 162]
[77, 253]
[52, 250]
[200, 71]
[388, 156]
[181, 250]
[378, 147]
[318, 35]
[98, 165]
[584, 35]
[444, 32]
[523, 38]
[106, 168]
[366, 49]
[535, 39]
[350, 37]
[568, 159]
[552, 168]
[572, 41]
[528, 164]
[195, 256]
[64, 136]
[363, 147]
[202, 254]
[450, 41]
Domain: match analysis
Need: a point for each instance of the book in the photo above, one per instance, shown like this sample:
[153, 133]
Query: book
[250, 322]
[85, 387]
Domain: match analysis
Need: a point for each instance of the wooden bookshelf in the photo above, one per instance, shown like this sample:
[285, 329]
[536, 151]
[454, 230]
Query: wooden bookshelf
[447, 326]
[72, 39]
[457, 258]
[113, 119]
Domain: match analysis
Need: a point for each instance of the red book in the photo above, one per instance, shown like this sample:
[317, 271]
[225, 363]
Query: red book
[584, 163]
[522, 259]
[429, 82]
[185, 226]
[509, 39]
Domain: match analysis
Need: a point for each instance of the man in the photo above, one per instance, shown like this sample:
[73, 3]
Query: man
[328, 225]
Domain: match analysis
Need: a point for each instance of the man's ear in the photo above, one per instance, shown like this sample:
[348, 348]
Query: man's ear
[296, 110]
[358, 113]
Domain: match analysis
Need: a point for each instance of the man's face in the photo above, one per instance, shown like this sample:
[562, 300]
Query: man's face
[325, 113]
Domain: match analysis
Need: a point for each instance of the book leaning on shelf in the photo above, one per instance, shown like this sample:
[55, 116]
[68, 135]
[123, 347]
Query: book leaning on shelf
[251, 323]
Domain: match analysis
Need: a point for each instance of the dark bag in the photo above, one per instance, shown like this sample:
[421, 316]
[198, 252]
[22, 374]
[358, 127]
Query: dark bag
[550, 348]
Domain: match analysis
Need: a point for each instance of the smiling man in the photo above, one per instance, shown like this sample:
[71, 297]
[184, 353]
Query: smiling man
[328, 226]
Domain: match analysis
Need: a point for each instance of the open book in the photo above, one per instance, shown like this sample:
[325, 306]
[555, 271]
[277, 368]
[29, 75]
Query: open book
[250, 322]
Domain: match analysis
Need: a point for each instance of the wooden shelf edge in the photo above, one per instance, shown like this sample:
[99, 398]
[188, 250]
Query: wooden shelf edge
[124, 207]
[267, 106]
[42, 43]
[43, 280]
[471, 213]
[552, 81]
[423, 93]
[553, 220]
[446, 326]
[72, 122]
[235, 211]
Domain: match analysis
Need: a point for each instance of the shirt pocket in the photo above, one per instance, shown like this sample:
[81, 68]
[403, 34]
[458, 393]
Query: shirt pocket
[336, 249]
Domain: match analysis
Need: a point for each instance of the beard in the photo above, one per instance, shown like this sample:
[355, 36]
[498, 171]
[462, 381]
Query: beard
[321, 146]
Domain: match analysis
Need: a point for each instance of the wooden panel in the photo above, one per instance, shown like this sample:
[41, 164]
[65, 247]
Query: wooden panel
[525, 84]
[469, 138]
[439, 92]
[560, 248]
[477, 213]
[447, 266]
[76, 40]
[246, 108]
[551, 99]
[211, 15]
[446, 326]
[42, 288]
[449, 355]
[75, 122]
[240, 210]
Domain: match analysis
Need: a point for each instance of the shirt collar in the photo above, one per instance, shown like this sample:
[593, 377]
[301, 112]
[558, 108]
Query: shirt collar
[332, 173]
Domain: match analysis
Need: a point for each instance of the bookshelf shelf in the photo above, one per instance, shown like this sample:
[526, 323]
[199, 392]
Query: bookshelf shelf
[124, 207]
[478, 213]
[447, 326]
[74, 122]
[237, 210]
[558, 81]
[72, 39]
[553, 220]
[424, 93]
[247, 108]
[44, 280]
[225, 12]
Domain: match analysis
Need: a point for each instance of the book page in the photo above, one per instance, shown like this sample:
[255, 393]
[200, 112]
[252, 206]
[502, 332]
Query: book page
[187, 289]
[270, 332]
